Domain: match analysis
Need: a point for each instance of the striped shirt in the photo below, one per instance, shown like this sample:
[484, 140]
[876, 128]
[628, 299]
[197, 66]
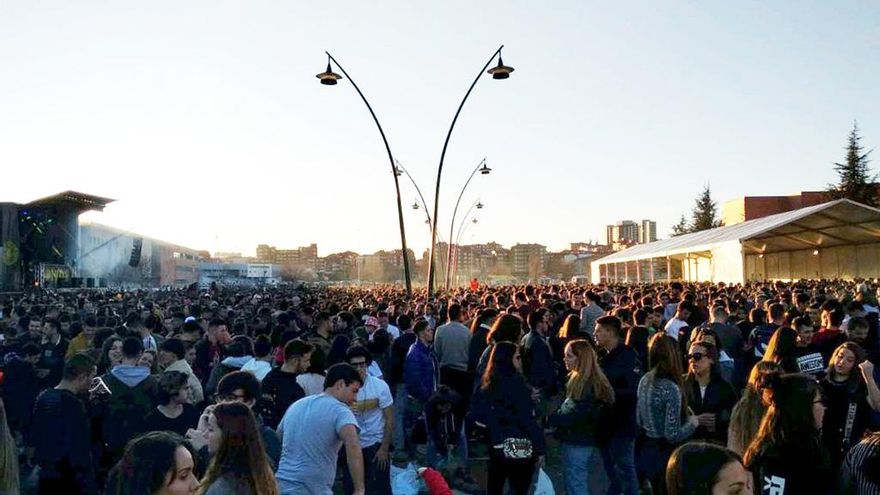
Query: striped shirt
[853, 470]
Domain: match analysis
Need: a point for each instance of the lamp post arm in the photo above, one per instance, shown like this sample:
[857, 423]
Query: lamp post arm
[464, 222]
[440, 167]
[404, 250]
[452, 222]
[418, 191]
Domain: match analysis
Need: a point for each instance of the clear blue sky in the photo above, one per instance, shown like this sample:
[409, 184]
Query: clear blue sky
[204, 118]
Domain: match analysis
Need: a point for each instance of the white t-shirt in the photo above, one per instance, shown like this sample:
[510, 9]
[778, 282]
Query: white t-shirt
[372, 423]
[674, 326]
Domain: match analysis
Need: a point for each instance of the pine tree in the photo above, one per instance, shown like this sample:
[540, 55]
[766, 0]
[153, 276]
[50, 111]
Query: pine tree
[856, 182]
[704, 216]
[681, 227]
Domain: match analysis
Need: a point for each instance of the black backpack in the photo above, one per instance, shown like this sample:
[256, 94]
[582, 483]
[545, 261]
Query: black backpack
[125, 410]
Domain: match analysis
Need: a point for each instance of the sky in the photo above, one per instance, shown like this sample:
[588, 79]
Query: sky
[204, 119]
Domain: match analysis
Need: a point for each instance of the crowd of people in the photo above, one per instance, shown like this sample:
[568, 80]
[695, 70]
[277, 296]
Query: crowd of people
[765, 388]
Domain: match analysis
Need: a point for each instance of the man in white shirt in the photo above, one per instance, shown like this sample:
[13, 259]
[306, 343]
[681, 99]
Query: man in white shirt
[384, 324]
[375, 416]
[679, 321]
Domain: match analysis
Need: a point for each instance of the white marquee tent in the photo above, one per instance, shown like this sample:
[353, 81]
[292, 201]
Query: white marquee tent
[838, 239]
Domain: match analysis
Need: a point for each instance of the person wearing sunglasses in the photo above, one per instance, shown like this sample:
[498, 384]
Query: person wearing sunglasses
[711, 398]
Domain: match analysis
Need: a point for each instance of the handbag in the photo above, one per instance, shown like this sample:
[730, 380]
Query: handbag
[517, 448]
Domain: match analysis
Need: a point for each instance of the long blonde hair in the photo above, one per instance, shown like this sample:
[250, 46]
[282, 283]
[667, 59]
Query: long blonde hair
[586, 374]
[8, 457]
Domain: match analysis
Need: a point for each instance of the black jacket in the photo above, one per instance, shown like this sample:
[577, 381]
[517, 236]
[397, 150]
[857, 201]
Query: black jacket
[61, 438]
[577, 421]
[718, 399]
[538, 365]
[621, 367]
[508, 412]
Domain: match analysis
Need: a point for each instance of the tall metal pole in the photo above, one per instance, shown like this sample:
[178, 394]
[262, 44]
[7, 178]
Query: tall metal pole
[421, 198]
[452, 223]
[440, 170]
[404, 251]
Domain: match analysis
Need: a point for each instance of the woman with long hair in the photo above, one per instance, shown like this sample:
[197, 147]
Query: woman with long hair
[480, 327]
[747, 413]
[846, 391]
[783, 349]
[661, 409]
[711, 398]
[506, 328]
[111, 354]
[503, 402]
[698, 468]
[8, 457]
[787, 455]
[239, 464]
[157, 463]
[588, 397]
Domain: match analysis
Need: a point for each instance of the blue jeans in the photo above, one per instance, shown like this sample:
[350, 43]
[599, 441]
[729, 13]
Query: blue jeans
[576, 460]
[619, 457]
[434, 460]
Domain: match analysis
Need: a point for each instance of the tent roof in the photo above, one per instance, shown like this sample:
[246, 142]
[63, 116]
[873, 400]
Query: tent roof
[836, 223]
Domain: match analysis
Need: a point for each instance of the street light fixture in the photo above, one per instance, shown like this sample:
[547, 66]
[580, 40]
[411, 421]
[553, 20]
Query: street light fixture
[330, 78]
[500, 71]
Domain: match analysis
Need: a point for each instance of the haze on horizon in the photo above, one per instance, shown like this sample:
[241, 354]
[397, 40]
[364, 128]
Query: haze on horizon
[205, 121]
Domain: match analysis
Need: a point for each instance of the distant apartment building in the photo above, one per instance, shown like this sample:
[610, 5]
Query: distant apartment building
[647, 231]
[626, 233]
[301, 256]
[529, 260]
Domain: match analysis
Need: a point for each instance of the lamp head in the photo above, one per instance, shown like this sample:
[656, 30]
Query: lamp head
[415, 205]
[500, 71]
[328, 77]
[479, 206]
[484, 170]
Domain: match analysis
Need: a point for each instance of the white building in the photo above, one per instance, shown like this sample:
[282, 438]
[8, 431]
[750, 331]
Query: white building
[838, 239]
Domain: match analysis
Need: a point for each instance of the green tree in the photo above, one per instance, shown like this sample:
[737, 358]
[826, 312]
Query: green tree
[855, 180]
[705, 214]
[681, 227]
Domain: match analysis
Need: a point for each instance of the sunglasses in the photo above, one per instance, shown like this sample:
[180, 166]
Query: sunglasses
[697, 356]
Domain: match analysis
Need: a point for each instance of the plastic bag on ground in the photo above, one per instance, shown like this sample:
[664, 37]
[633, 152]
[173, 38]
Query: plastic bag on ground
[543, 485]
[405, 481]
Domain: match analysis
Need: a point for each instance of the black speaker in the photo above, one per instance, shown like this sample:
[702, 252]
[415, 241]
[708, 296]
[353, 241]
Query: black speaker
[90, 283]
[76, 282]
[136, 246]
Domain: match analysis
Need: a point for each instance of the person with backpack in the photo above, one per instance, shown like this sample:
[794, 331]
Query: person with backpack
[133, 393]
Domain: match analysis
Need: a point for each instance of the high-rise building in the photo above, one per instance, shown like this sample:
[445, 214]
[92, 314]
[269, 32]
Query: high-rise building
[647, 231]
[625, 233]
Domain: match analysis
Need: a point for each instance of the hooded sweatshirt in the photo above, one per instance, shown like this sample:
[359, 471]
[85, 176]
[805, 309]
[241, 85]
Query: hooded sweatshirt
[228, 365]
[132, 396]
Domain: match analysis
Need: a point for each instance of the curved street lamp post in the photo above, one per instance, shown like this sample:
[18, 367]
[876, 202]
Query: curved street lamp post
[484, 170]
[500, 71]
[330, 78]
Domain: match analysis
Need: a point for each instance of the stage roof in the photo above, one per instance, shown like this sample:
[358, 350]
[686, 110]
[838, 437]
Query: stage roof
[71, 200]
